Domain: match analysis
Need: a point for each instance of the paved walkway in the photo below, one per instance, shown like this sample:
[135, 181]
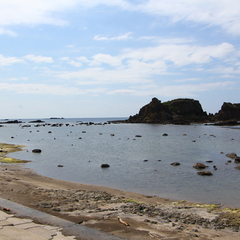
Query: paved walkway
[21, 226]
[12, 228]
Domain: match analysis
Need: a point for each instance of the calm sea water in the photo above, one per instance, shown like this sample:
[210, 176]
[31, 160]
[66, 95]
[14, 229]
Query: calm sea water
[125, 153]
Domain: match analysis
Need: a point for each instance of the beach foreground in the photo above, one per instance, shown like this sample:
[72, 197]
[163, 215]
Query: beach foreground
[125, 214]
[149, 217]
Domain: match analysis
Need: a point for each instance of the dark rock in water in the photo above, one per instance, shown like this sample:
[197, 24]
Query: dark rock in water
[138, 136]
[231, 155]
[199, 166]
[37, 121]
[11, 121]
[145, 160]
[237, 160]
[104, 165]
[165, 134]
[175, 163]
[60, 165]
[226, 123]
[205, 173]
[209, 161]
[36, 150]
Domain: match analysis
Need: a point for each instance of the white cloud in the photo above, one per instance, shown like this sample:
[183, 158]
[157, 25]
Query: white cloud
[221, 13]
[140, 65]
[188, 80]
[64, 58]
[38, 59]
[75, 64]
[164, 40]
[7, 32]
[118, 38]
[83, 59]
[180, 55]
[29, 12]
[225, 70]
[18, 79]
[173, 91]
[41, 89]
[6, 61]
[212, 13]
[105, 58]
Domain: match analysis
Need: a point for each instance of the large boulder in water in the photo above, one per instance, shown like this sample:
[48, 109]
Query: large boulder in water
[231, 155]
[237, 159]
[36, 150]
[175, 163]
[105, 165]
[199, 166]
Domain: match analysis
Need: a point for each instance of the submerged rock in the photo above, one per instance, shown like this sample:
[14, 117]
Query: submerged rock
[206, 173]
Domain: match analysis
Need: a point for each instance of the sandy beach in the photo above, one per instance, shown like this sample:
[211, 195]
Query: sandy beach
[125, 214]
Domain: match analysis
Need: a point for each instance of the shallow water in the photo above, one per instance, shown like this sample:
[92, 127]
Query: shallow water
[126, 153]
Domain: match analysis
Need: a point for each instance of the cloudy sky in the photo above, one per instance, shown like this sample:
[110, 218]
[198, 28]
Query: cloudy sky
[108, 58]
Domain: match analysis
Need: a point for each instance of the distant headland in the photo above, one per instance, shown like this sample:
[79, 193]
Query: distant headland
[185, 111]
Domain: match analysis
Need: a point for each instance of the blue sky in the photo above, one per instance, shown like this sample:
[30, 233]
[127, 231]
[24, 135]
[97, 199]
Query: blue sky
[102, 58]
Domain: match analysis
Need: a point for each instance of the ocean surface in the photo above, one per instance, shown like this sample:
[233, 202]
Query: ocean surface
[137, 164]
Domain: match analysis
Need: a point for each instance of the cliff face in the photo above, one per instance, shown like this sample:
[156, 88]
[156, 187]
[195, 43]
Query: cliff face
[178, 111]
[228, 112]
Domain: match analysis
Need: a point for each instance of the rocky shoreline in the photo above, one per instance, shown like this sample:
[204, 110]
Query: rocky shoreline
[148, 217]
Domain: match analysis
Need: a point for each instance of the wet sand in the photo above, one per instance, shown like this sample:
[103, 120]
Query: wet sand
[147, 217]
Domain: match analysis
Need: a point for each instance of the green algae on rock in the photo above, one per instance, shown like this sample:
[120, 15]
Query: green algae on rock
[12, 160]
[6, 148]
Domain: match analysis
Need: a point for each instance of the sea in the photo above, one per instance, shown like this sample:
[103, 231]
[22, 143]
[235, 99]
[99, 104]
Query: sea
[139, 156]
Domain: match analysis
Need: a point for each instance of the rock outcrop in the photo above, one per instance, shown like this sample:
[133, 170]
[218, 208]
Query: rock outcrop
[178, 111]
[229, 111]
[185, 111]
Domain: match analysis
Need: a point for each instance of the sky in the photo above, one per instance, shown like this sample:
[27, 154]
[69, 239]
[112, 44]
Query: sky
[108, 58]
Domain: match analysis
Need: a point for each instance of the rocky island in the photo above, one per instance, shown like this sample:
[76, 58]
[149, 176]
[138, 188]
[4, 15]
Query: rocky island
[185, 111]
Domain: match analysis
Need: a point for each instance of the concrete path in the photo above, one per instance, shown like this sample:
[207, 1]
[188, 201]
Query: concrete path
[12, 228]
[21, 226]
